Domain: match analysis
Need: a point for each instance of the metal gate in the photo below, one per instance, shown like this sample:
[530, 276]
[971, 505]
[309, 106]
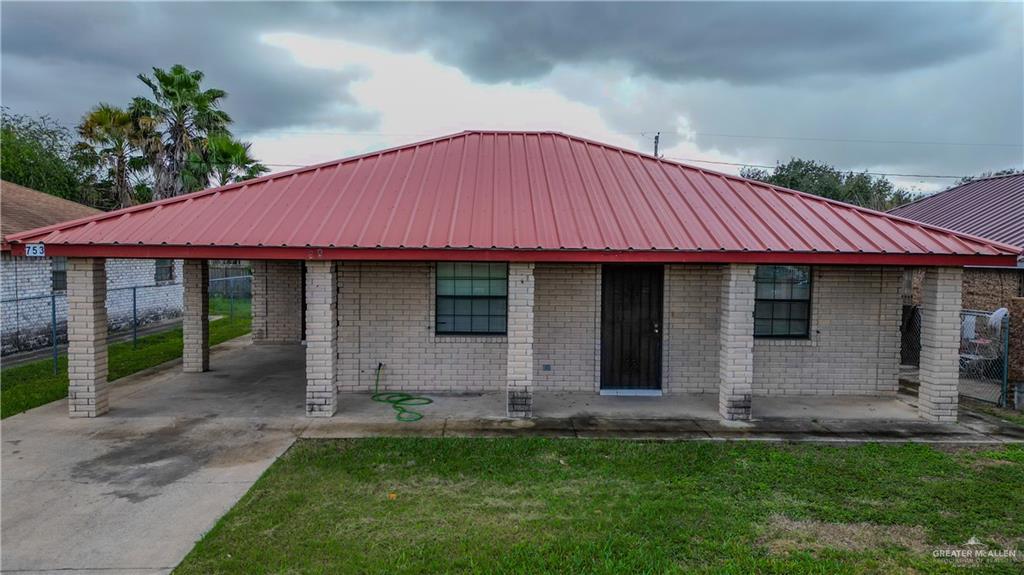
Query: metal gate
[984, 355]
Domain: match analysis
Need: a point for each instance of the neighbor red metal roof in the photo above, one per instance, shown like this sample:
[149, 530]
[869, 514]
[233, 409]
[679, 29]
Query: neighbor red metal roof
[532, 195]
[992, 208]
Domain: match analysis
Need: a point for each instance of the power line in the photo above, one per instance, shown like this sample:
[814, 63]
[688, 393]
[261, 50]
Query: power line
[703, 134]
[855, 171]
[859, 141]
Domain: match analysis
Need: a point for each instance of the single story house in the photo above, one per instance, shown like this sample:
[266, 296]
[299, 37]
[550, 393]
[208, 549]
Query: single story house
[532, 262]
[35, 288]
[990, 208]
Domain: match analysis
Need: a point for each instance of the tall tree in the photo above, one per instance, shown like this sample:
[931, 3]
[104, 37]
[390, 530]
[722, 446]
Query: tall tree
[222, 160]
[110, 133]
[38, 153]
[177, 120]
[823, 180]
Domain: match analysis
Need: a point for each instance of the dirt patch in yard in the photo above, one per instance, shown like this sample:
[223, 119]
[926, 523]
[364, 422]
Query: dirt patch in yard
[784, 535]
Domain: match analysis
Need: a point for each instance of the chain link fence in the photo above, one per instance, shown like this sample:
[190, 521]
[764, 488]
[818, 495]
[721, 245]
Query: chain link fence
[37, 326]
[984, 353]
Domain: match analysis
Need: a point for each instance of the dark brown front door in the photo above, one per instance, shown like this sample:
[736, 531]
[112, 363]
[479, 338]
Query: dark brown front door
[631, 302]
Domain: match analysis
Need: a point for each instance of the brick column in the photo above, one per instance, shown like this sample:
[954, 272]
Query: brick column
[736, 341]
[87, 337]
[321, 339]
[519, 367]
[195, 325]
[940, 344]
[258, 305]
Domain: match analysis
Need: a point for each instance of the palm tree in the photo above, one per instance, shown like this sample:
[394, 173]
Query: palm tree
[179, 119]
[222, 161]
[110, 134]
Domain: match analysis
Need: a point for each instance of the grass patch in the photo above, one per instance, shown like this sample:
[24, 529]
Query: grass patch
[1007, 415]
[418, 505]
[30, 385]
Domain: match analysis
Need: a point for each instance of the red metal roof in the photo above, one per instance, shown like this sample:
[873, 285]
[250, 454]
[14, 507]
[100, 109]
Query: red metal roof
[533, 195]
[990, 207]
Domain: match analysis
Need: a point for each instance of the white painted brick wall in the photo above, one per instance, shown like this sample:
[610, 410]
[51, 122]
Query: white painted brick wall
[940, 344]
[26, 323]
[321, 338]
[567, 325]
[519, 367]
[87, 338]
[386, 314]
[276, 301]
[854, 343]
[736, 341]
[196, 323]
[691, 317]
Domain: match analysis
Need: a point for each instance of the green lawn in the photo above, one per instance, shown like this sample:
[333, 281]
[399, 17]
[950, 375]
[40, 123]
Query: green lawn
[33, 384]
[577, 506]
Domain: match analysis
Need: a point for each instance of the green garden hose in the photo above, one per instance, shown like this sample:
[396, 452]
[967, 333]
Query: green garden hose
[398, 400]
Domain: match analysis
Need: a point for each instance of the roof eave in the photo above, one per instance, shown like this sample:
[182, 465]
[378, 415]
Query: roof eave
[511, 254]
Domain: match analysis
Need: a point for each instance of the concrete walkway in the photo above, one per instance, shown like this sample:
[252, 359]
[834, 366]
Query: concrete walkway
[132, 491]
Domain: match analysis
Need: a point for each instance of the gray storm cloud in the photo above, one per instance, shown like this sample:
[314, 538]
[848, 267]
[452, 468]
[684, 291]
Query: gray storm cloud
[914, 71]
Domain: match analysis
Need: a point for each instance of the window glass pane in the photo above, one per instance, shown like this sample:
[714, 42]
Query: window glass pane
[797, 327]
[480, 323]
[497, 306]
[481, 287]
[497, 324]
[481, 270]
[783, 290]
[445, 323]
[445, 306]
[498, 287]
[782, 305]
[762, 327]
[480, 307]
[780, 327]
[471, 297]
[463, 287]
[463, 323]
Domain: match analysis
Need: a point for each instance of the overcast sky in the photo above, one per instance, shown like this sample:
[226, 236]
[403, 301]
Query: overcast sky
[909, 88]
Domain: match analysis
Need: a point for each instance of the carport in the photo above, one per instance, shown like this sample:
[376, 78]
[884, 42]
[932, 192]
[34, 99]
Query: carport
[535, 262]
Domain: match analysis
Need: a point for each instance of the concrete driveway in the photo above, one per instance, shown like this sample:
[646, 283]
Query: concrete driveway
[132, 491]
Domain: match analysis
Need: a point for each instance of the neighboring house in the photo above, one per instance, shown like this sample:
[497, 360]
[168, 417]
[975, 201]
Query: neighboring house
[991, 208]
[537, 262]
[29, 282]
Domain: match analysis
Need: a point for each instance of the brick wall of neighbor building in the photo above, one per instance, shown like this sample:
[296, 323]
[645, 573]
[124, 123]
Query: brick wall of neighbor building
[854, 343]
[26, 323]
[386, 314]
[276, 301]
